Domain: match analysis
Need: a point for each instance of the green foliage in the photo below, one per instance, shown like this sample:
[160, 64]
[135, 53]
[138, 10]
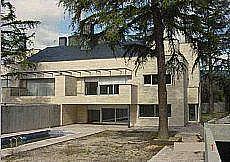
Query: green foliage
[14, 37]
[140, 27]
[205, 24]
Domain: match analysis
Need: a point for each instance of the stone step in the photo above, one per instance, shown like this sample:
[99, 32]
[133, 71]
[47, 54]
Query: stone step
[189, 146]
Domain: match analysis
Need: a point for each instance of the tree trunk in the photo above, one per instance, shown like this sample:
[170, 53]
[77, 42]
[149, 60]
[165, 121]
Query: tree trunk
[162, 93]
[210, 87]
[211, 97]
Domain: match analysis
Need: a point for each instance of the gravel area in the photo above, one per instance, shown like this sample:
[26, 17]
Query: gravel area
[128, 145]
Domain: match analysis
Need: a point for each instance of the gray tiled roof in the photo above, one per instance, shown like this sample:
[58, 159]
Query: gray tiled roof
[65, 53]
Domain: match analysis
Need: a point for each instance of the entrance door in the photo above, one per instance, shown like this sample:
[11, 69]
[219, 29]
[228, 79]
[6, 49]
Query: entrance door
[108, 115]
[193, 112]
[121, 115]
[115, 115]
[93, 116]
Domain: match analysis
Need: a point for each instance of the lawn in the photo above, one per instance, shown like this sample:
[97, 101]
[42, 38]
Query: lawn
[105, 146]
[208, 116]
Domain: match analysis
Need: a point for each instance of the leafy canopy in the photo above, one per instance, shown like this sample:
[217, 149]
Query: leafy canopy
[14, 37]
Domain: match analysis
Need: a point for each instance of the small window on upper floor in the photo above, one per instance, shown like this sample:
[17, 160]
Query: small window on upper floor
[168, 79]
[153, 79]
[116, 89]
[91, 88]
[109, 89]
[147, 79]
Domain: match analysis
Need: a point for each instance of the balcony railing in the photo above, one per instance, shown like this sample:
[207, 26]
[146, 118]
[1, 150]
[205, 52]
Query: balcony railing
[127, 95]
[17, 91]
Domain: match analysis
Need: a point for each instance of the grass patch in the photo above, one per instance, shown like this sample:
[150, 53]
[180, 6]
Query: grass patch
[119, 145]
[209, 116]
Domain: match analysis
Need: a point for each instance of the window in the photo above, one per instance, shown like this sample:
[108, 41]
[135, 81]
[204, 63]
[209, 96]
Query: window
[193, 115]
[39, 87]
[116, 89]
[103, 89]
[152, 110]
[109, 89]
[146, 111]
[169, 110]
[147, 79]
[91, 88]
[168, 79]
[153, 79]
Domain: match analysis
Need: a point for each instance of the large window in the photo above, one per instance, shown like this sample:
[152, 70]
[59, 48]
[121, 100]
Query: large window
[40, 87]
[109, 89]
[152, 110]
[91, 88]
[153, 79]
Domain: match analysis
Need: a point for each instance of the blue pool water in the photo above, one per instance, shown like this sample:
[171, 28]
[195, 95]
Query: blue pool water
[14, 141]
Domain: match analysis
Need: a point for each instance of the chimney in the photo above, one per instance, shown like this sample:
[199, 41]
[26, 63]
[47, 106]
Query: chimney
[62, 41]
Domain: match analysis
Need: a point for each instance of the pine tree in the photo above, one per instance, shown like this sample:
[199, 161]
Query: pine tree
[151, 22]
[14, 37]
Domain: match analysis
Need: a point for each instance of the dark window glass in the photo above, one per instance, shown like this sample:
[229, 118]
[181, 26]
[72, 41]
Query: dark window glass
[152, 110]
[147, 79]
[108, 115]
[91, 88]
[154, 79]
[39, 87]
[103, 89]
[156, 111]
[116, 89]
[93, 116]
[146, 111]
[169, 110]
[168, 79]
[122, 115]
[110, 89]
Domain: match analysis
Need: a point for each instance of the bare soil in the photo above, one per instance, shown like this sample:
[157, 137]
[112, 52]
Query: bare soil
[106, 146]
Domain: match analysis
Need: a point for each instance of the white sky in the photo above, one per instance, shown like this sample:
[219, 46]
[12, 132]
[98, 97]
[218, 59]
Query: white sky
[53, 21]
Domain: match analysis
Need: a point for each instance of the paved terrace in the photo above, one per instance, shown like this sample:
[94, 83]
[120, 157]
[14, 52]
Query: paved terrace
[72, 132]
[185, 151]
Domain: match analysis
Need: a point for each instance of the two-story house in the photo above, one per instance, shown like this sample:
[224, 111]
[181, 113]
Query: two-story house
[94, 86]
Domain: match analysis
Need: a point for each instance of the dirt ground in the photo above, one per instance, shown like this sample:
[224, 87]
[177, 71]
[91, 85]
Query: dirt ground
[109, 146]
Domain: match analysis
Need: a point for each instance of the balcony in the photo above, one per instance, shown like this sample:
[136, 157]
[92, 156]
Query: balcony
[127, 95]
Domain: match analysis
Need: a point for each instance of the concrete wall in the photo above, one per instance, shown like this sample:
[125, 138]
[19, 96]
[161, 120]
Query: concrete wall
[82, 114]
[74, 114]
[124, 97]
[211, 152]
[17, 118]
[70, 86]
[133, 115]
[176, 96]
[221, 132]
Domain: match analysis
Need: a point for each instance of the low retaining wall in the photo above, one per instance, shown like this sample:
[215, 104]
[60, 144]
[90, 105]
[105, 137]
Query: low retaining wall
[16, 118]
[215, 131]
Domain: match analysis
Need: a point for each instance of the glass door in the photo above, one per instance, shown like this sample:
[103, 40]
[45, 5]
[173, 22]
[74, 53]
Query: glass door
[193, 112]
[93, 116]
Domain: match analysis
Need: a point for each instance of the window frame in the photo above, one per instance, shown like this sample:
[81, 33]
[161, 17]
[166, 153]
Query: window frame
[110, 89]
[86, 92]
[156, 75]
[155, 111]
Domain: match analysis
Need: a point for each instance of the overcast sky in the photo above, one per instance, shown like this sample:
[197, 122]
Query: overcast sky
[53, 21]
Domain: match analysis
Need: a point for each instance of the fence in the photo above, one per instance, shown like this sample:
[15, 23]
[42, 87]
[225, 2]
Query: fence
[17, 118]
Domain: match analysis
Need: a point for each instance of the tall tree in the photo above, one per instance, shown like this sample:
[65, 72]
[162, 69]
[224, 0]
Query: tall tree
[151, 22]
[14, 37]
[212, 40]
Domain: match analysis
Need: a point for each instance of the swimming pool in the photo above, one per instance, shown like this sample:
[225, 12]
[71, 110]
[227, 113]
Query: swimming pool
[14, 141]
